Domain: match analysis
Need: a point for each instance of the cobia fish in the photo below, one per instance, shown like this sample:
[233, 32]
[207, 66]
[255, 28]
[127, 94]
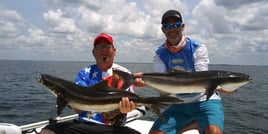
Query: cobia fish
[99, 97]
[177, 81]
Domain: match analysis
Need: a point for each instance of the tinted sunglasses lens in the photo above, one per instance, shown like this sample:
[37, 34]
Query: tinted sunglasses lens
[166, 26]
[174, 25]
[103, 46]
[177, 25]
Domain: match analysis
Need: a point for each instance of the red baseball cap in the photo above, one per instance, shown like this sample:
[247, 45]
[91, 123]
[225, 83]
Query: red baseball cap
[103, 36]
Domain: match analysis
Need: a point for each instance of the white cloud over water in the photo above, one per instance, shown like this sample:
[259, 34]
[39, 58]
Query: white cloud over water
[235, 32]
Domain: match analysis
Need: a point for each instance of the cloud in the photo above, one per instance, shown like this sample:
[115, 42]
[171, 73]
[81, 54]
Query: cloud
[232, 33]
[232, 30]
[230, 4]
[10, 22]
[58, 23]
[13, 27]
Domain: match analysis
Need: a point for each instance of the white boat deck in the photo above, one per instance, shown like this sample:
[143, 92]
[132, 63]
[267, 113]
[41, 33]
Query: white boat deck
[143, 126]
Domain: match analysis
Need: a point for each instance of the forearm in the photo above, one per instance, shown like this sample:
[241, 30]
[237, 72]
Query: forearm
[201, 59]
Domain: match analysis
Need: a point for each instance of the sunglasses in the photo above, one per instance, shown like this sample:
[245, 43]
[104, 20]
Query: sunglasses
[107, 46]
[174, 25]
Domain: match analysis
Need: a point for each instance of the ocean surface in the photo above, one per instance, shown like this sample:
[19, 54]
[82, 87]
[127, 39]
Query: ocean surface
[23, 100]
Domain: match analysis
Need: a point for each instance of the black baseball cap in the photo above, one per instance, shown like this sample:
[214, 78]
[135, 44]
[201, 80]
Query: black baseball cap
[171, 13]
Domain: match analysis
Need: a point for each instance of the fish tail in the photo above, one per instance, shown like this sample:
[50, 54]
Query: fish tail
[157, 103]
[127, 78]
[162, 101]
[157, 111]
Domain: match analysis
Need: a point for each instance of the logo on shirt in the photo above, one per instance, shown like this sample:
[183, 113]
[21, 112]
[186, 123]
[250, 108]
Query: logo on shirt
[177, 61]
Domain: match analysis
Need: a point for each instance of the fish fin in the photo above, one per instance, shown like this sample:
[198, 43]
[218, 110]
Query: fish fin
[168, 99]
[102, 86]
[211, 89]
[61, 104]
[161, 101]
[157, 111]
[158, 103]
[127, 78]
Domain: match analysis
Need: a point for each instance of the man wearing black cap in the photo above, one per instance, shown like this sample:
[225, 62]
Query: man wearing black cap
[181, 52]
[96, 122]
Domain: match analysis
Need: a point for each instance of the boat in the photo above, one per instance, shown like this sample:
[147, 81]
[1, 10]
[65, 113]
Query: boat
[133, 121]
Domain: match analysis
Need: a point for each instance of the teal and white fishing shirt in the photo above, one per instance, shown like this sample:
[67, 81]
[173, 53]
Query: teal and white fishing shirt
[193, 57]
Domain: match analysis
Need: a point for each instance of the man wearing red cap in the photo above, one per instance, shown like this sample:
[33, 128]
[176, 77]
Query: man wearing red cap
[181, 52]
[90, 122]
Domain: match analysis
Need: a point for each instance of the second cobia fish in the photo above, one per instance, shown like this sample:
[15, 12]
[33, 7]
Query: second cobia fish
[99, 97]
[177, 81]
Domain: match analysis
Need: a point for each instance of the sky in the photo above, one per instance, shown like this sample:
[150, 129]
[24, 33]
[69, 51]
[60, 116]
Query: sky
[234, 31]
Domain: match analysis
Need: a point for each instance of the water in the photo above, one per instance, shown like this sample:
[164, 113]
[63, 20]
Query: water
[23, 100]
